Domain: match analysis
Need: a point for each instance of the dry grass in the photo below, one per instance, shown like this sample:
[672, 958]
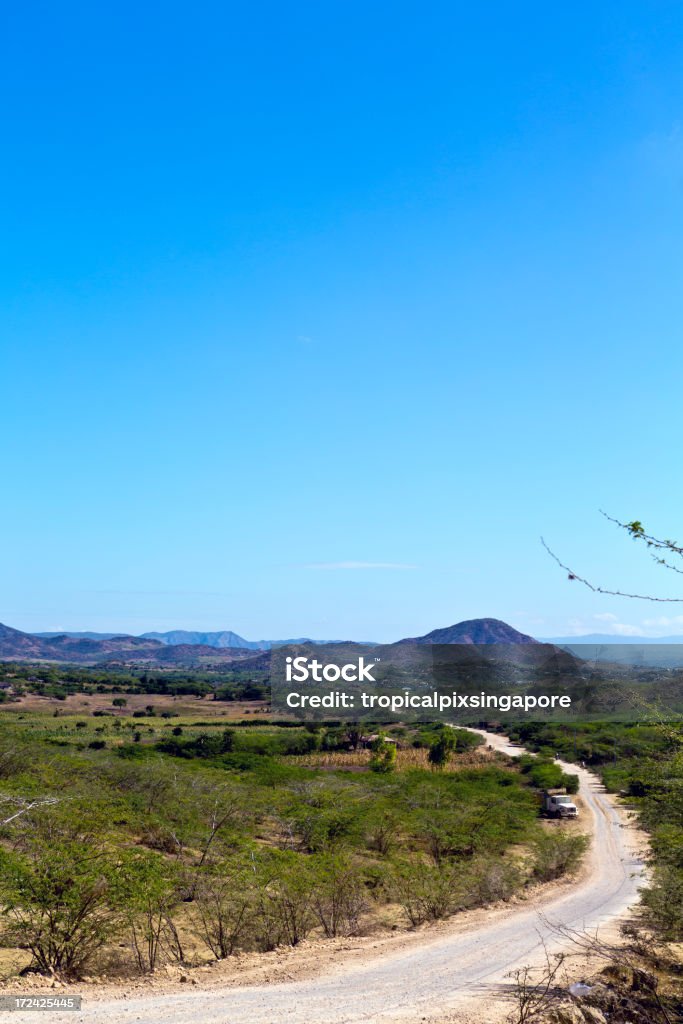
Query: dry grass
[84, 704]
[12, 961]
[406, 759]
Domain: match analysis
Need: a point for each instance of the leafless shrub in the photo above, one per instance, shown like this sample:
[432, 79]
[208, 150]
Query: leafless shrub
[535, 991]
[632, 991]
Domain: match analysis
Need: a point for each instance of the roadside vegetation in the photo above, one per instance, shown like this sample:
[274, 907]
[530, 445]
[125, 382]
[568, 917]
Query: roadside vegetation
[130, 841]
[644, 763]
[641, 981]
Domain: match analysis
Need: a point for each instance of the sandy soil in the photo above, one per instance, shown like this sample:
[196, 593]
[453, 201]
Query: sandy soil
[453, 972]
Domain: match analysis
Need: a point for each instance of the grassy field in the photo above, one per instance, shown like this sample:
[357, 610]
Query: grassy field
[180, 828]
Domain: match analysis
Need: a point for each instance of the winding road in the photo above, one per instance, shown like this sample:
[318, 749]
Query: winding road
[451, 976]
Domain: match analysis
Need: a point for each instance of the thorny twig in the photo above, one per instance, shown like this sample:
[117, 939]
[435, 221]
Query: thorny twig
[572, 575]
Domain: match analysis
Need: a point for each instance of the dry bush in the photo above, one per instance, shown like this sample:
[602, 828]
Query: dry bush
[493, 880]
[284, 912]
[339, 899]
[535, 992]
[222, 910]
[557, 853]
[407, 759]
[381, 834]
[428, 892]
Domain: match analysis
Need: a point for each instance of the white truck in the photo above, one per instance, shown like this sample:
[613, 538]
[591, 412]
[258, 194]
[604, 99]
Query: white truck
[557, 804]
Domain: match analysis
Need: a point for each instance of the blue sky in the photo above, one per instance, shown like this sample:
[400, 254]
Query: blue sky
[316, 316]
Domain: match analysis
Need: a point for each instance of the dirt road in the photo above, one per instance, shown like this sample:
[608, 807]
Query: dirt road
[453, 976]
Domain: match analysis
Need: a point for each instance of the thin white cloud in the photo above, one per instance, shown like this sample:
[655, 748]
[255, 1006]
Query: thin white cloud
[159, 593]
[623, 629]
[576, 627]
[579, 626]
[359, 565]
[665, 620]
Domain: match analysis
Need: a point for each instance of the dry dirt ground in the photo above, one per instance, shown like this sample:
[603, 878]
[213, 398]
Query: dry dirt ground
[183, 704]
[454, 972]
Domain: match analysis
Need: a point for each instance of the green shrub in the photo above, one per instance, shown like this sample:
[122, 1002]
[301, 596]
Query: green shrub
[59, 899]
[285, 906]
[429, 892]
[338, 897]
[383, 758]
[149, 890]
[223, 908]
[664, 902]
[557, 853]
[440, 751]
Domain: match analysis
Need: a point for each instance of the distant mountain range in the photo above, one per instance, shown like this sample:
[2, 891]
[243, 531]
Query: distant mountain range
[661, 651]
[224, 638]
[610, 638]
[187, 648]
[78, 636]
[183, 647]
[107, 649]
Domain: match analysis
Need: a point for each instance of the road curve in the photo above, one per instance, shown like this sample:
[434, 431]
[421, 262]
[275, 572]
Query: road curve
[435, 977]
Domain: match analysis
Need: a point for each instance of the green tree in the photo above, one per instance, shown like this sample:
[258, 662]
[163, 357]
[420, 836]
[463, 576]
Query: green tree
[440, 751]
[383, 758]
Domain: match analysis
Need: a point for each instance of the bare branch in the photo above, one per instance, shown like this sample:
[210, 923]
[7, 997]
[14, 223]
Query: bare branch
[535, 989]
[25, 807]
[574, 576]
[591, 945]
